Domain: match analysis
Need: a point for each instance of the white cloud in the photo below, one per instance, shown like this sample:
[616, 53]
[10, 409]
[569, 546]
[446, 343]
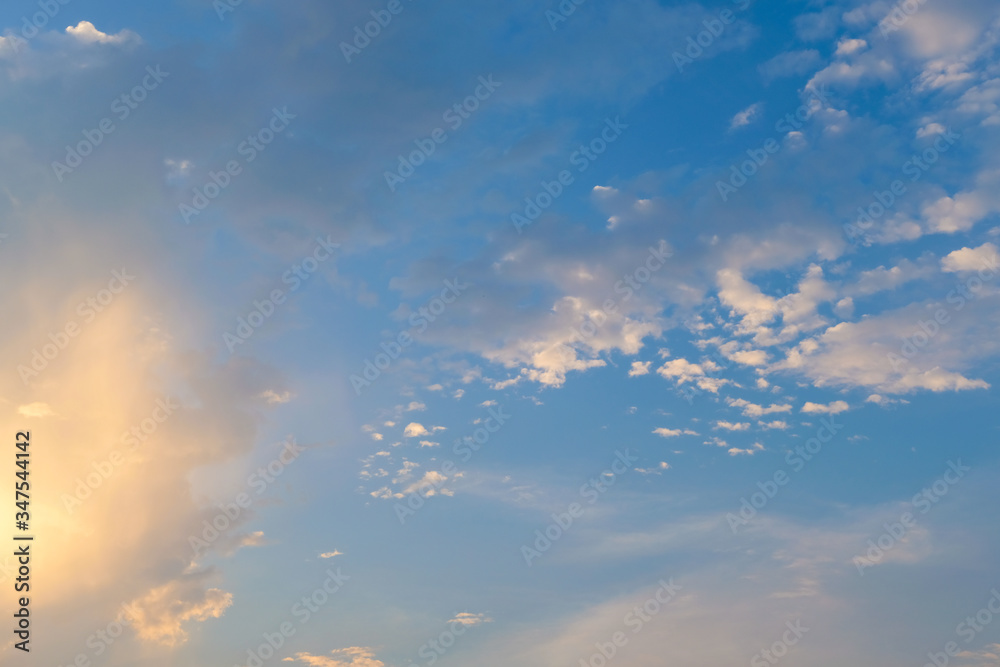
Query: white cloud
[332, 554]
[930, 130]
[736, 451]
[731, 426]
[754, 410]
[85, 32]
[416, 430]
[639, 368]
[681, 370]
[857, 354]
[880, 278]
[818, 408]
[673, 433]
[466, 618]
[161, 614]
[848, 47]
[745, 117]
[971, 259]
[430, 484]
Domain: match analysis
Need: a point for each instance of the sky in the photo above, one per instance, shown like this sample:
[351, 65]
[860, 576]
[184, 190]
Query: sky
[398, 333]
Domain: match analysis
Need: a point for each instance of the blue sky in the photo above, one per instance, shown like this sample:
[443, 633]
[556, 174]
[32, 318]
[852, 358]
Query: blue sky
[706, 292]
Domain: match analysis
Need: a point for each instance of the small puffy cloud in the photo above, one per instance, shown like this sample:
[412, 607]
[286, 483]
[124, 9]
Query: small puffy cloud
[415, 406]
[430, 484]
[429, 443]
[354, 656]
[465, 618]
[415, 430]
[749, 357]
[745, 117]
[819, 409]
[754, 410]
[639, 368]
[971, 259]
[275, 398]
[776, 424]
[160, 616]
[681, 370]
[331, 554]
[85, 32]
[732, 426]
[736, 451]
[177, 169]
[930, 130]
[848, 47]
[36, 410]
[673, 433]
[654, 471]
